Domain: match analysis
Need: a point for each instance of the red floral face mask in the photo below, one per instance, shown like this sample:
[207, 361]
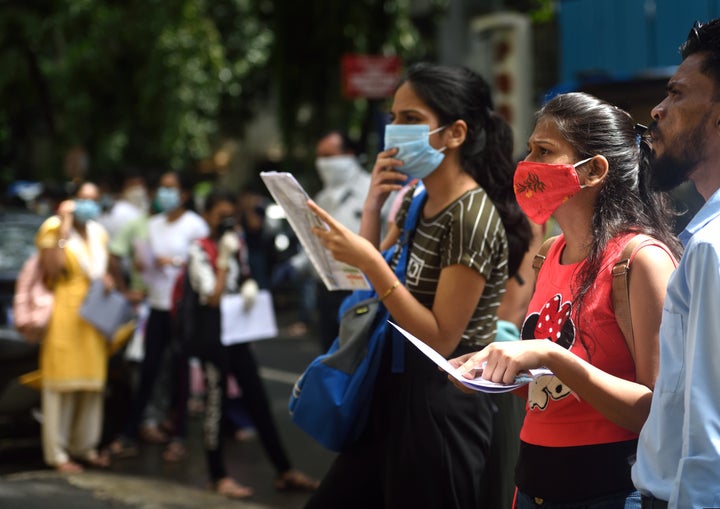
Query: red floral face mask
[540, 188]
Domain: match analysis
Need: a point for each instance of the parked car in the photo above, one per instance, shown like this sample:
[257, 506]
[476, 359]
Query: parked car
[18, 403]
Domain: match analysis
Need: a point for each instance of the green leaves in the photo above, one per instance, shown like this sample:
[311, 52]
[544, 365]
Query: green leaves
[154, 83]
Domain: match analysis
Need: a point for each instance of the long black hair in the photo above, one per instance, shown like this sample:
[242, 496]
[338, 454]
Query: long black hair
[457, 93]
[626, 203]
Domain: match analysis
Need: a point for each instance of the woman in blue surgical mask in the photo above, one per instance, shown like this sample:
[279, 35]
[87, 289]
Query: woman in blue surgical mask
[470, 237]
[73, 357]
[162, 258]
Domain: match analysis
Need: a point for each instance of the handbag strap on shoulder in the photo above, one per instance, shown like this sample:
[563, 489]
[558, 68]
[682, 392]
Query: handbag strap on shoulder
[403, 243]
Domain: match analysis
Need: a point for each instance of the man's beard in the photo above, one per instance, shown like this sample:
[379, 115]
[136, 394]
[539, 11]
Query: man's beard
[670, 170]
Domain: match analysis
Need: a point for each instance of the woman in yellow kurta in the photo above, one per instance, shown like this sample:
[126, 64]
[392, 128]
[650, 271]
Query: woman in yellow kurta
[73, 355]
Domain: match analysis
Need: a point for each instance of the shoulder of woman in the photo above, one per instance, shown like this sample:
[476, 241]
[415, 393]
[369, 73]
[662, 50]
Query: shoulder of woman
[654, 255]
[97, 228]
[47, 233]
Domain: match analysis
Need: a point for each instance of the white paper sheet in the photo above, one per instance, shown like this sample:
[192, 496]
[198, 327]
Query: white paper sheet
[240, 325]
[477, 384]
[290, 195]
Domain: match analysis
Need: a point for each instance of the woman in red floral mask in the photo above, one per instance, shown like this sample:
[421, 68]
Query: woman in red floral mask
[588, 167]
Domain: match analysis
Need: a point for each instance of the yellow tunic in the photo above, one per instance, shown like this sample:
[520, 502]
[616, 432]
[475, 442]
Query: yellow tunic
[73, 355]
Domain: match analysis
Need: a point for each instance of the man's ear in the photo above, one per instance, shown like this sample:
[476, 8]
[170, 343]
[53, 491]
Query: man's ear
[596, 170]
[456, 134]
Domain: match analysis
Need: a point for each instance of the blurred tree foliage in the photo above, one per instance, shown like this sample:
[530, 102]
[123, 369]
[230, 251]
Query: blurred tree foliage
[155, 82]
[134, 81]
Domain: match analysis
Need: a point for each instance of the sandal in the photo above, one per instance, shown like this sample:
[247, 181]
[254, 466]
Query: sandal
[294, 480]
[153, 435]
[123, 448]
[174, 452]
[227, 487]
[69, 467]
[97, 460]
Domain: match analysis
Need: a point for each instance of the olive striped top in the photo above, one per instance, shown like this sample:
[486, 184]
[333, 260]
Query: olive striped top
[470, 232]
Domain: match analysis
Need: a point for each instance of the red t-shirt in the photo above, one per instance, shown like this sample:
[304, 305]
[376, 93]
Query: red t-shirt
[556, 417]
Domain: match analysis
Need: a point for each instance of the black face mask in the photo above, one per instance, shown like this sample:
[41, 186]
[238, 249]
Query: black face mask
[226, 224]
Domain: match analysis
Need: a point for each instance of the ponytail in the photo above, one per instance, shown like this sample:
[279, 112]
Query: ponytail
[493, 171]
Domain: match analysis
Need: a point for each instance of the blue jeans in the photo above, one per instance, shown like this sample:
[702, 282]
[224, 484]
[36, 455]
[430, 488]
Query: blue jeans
[624, 500]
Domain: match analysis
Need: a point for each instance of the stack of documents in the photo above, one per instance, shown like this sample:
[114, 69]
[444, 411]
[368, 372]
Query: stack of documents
[477, 384]
[290, 195]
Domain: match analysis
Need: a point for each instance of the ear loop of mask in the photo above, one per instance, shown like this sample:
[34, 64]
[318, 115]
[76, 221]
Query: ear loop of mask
[437, 131]
[580, 163]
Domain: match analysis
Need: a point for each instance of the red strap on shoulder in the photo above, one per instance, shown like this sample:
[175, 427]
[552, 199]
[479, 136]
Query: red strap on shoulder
[210, 248]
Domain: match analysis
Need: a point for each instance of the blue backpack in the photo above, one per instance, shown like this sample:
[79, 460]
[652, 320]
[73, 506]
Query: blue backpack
[331, 400]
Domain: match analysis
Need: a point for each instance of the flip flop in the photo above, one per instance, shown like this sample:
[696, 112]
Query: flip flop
[98, 460]
[294, 480]
[69, 467]
[174, 452]
[122, 448]
[227, 487]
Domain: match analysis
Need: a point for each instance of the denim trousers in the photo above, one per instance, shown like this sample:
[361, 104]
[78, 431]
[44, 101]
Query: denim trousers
[623, 500]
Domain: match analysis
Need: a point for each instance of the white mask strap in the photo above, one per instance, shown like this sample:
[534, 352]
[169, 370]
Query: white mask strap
[437, 130]
[582, 162]
[582, 186]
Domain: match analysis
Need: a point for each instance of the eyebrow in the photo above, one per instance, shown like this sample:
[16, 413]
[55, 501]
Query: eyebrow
[405, 112]
[674, 83]
[541, 141]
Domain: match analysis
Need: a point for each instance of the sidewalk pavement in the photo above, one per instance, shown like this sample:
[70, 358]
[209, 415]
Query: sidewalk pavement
[98, 490]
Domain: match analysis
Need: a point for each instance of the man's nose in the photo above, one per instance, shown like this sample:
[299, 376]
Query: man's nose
[658, 111]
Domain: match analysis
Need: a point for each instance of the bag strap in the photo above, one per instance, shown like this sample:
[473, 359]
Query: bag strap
[620, 281]
[405, 239]
[541, 255]
[210, 249]
[403, 243]
[621, 286]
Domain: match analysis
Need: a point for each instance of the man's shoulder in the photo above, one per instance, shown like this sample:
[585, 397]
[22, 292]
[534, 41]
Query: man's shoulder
[709, 233]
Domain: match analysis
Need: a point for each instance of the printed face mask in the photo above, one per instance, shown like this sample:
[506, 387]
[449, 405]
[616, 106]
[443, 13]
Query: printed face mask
[414, 150]
[336, 171]
[168, 199]
[86, 210]
[540, 188]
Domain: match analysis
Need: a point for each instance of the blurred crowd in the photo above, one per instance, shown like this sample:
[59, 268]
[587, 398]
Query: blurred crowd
[137, 238]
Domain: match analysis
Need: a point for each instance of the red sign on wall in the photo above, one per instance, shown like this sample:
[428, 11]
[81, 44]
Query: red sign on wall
[369, 76]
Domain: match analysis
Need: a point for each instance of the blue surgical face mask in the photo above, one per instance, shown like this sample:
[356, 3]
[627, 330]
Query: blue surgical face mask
[86, 210]
[414, 150]
[168, 199]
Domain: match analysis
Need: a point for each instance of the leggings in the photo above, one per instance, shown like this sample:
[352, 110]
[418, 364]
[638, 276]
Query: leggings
[218, 361]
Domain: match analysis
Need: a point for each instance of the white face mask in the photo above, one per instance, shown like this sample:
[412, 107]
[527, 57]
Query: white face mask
[336, 171]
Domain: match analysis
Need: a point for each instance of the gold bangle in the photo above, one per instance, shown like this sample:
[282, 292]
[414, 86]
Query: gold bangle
[390, 290]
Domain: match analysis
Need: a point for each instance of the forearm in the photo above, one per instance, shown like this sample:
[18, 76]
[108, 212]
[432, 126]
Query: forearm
[408, 312]
[52, 261]
[370, 227]
[623, 402]
[220, 276]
